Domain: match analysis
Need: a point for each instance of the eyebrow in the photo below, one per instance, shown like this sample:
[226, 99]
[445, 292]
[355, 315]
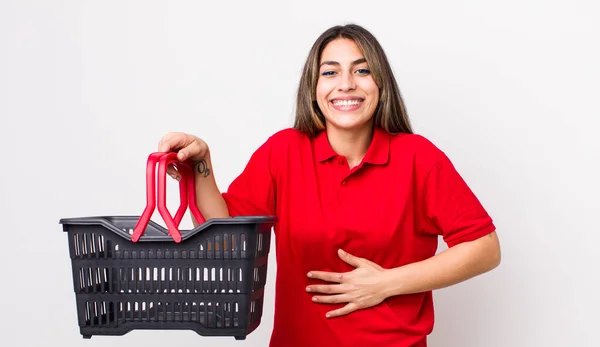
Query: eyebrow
[356, 62]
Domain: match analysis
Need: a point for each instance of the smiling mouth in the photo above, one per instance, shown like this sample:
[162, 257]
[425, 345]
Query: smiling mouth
[347, 104]
[352, 102]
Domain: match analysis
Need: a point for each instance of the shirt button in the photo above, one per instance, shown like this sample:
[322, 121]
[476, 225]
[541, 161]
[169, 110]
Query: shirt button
[344, 183]
[341, 161]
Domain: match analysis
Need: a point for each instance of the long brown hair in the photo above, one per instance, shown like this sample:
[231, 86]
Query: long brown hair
[390, 113]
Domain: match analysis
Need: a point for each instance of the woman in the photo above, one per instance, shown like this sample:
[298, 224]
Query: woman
[361, 202]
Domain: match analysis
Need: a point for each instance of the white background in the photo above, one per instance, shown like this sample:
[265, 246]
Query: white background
[509, 89]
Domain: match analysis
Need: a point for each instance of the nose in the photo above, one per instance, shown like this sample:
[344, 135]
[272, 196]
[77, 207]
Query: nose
[347, 82]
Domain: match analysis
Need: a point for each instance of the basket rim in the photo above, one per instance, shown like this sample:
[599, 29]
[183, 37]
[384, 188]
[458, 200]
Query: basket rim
[106, 221]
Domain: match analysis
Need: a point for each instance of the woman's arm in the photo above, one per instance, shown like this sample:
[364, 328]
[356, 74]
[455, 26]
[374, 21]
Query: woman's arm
[252, 193]
[454, 265]
[209, 200]
[194, 150]
[369, 284]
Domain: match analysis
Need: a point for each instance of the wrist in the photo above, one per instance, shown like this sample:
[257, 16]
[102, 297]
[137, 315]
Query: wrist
[202, 167]
[393, 282]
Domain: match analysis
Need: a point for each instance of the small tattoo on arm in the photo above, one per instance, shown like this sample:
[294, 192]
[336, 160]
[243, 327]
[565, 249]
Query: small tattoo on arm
[202, 168]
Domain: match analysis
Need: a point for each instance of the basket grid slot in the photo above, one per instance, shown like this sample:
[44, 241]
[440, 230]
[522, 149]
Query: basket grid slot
[89, 245]
[256, 307]
[262, 244]
[147, 280]
[217, 314]
[226, 246]
[234, 246]
[259, 278]
[94, 280]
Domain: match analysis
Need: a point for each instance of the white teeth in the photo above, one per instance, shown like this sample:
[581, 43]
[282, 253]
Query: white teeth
[346, 102]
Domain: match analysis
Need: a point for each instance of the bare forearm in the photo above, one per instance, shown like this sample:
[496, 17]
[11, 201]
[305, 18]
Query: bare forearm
[209, 200]
[447, 268]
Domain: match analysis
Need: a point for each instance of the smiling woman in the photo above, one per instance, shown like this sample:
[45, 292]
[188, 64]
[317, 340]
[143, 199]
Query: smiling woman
[361, 202]
[347, 95]
[348, 42]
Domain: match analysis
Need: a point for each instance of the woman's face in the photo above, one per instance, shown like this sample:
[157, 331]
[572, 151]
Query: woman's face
[346, 92]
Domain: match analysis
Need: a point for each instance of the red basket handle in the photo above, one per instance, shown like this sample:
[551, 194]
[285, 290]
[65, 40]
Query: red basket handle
[186, 189]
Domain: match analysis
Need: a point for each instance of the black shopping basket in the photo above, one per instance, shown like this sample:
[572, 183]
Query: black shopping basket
[131, 273]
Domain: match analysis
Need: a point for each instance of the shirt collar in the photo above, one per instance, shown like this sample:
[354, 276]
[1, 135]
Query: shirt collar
[377, 153]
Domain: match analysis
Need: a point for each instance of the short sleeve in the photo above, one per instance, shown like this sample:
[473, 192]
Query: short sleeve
[451, 207]
[252, 193]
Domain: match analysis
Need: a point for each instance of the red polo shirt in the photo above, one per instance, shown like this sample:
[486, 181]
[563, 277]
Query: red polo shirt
[389, 209]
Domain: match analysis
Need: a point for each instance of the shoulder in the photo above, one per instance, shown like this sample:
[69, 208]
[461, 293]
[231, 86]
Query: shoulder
[416, 144]
[279, 146]
[288, 136]
[416, 148]
[282, 138]
[285, 140]
[282, 143]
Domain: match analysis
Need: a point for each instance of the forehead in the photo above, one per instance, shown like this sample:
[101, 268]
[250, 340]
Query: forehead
[342, 51]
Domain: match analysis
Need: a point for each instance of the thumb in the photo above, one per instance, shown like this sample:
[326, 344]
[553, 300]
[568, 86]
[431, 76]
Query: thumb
[182, 155]
[349, 258]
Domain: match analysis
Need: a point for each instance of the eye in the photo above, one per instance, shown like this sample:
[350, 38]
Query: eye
[363, 71]
[327, 73]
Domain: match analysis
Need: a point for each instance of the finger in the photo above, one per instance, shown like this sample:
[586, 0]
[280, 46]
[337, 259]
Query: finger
[173, 172]
[172, 169]
[328, 288]
[176, 177]
[326, 276]
[195, 149]
[350, 307]
[163, 144]
[350, 259]
[332, 299]
[172, 141]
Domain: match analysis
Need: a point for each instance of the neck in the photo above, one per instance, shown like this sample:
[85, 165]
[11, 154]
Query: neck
[352, 144]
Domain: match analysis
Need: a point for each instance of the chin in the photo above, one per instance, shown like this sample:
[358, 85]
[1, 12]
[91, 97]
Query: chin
[349, 122]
